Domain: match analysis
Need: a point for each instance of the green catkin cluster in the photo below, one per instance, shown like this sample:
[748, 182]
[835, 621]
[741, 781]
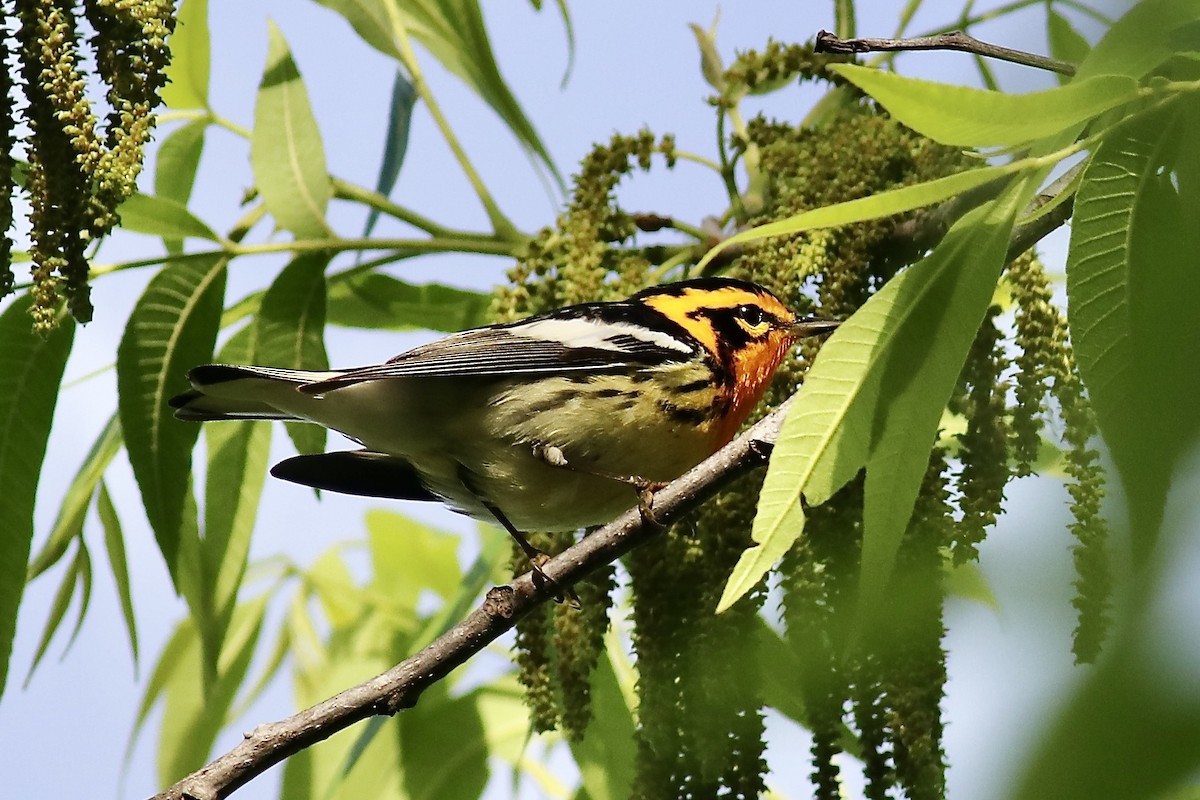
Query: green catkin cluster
[1046, 366]
[984, 445]
[699, 723]
[75, 182]
[700, 728]
[7, 162]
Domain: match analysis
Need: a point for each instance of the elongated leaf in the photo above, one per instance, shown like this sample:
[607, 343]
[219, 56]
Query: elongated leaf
[884, 204]
[922, 321]
[606, 756]
[114, 544]
[58, 608]
[925, 360]
[374, 300]
[443, 748]
[289, 331]
[172, 328]
[237, 462]
[395, 142]
[187, 86]
[195, 712]
[160, 216]
[286, 153]
[1132, 292]
[74, 504]
[962, 116]
[454, 32]
[1140, 40]
[31, 368]
[176, 161]
[1066, 43]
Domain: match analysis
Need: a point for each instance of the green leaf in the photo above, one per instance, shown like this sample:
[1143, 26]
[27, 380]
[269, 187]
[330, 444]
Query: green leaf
[289, 331]
[607, 754]
[962, 116]
[374, 300]
[884, 369]
[74, 505]
[286, 153]
[409, 558]
[1132, 292]
[161, 216]
[195, 712]
[1066, 43]
[172, 328]
[443, 749]
[58, 608]
[237, 462]
[453, 31]
[114, 543]
[395, 142]
[1139, 41]
[187, 74]
[176, 161]
[31, 368]
[884, 204]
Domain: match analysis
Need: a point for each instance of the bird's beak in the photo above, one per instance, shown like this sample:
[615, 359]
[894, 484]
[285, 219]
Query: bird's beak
[812, 326]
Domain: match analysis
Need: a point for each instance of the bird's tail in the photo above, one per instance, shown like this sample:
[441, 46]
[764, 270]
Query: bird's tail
[221, 391]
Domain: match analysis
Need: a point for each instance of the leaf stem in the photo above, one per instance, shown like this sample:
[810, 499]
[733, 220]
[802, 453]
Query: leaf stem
[501, 225]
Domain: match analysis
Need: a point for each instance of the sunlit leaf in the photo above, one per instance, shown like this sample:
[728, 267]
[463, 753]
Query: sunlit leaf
[187, 85]
[172, 328]
[31, 368]
[286, 153]
[606, 754]
[71, 579]
[375, 300]
[176, 161]
[114, 543]
[195, 712]
[1140, 40]
[963, 116]
[443, 749]
[289, 331]
[409, 558]
[453, 31]
[161, 216]
[879, 384]
[238, 453]
[74, 504]
[884, 204]
[1066, 43]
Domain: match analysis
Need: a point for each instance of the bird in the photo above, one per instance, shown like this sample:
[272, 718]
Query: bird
[543, 424]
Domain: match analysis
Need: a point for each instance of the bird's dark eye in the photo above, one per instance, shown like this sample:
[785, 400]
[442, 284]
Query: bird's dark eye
[753, 315]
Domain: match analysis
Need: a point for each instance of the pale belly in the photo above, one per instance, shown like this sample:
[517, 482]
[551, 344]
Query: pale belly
[475, 443]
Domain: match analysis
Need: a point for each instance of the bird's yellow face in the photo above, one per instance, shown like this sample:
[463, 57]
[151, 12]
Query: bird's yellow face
[746, 333]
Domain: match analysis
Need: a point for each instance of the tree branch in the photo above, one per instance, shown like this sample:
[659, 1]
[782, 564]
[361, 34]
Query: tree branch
[954, 40]
[402, 685]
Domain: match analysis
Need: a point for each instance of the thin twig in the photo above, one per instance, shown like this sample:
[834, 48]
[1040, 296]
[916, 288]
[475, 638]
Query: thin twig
[401, 686]
[954, 40]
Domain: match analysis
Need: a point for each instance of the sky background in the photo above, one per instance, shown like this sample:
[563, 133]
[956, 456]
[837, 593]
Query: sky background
[636, 65]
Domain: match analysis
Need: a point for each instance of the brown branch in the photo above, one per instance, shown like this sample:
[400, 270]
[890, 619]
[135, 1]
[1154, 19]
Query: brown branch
[954, 40]
[401, 686]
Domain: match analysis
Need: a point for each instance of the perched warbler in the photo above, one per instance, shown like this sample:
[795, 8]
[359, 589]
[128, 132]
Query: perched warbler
[541, 424]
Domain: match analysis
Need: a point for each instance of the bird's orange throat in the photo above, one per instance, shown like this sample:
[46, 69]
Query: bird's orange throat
[752, 368]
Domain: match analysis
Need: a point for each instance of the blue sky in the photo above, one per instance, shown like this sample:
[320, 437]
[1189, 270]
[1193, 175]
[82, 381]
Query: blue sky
[636, 65]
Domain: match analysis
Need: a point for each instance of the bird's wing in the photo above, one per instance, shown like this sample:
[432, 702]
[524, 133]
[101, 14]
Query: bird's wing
[546, 344]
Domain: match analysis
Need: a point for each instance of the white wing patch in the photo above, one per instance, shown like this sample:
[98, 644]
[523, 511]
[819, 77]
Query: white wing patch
[604, 336]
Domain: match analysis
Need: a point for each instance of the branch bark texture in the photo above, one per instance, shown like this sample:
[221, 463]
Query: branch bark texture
[402, 685]
[954, 40]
